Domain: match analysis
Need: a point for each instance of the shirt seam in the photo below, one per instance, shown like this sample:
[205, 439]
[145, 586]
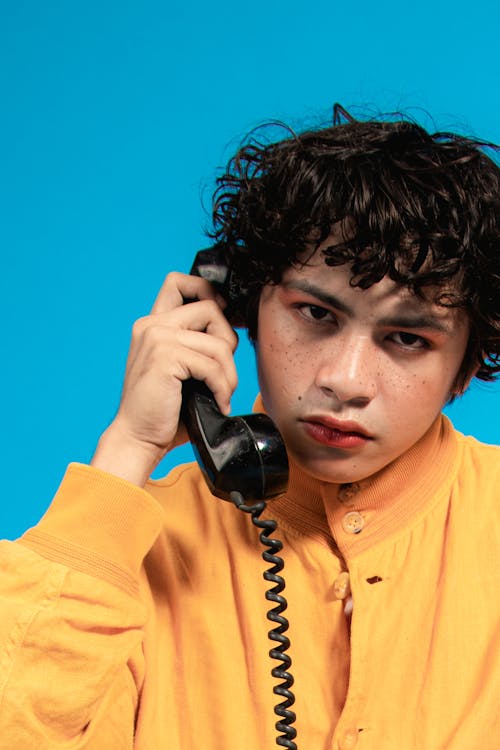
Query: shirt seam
[79, 559]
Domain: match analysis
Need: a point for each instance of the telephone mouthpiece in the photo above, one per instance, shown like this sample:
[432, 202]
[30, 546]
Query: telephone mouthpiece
[243, 454]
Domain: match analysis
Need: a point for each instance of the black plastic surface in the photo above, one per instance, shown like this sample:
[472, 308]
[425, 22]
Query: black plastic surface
[236, 454]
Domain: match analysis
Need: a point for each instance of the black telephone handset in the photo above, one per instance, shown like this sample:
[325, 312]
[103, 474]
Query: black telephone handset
[244, 454]
[244, 460]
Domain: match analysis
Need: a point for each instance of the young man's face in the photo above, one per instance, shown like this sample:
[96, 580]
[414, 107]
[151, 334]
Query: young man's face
[353, 378]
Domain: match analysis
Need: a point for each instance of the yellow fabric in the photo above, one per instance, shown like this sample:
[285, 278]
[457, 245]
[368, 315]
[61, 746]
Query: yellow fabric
[137, 619]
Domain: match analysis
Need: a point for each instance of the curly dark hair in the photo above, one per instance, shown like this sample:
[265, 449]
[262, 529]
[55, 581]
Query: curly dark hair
[425, 207]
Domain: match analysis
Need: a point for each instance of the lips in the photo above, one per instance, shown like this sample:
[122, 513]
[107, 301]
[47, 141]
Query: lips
[336, 432]
[340, 425]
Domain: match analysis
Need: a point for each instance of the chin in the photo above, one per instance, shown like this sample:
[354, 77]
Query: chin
[332, 471]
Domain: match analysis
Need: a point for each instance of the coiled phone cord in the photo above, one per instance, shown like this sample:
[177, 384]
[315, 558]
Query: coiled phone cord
[283, 725]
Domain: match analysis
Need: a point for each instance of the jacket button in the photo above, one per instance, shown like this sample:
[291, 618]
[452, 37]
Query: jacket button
[341, 587]
[348, 491]
[349, 739]
[353, 522]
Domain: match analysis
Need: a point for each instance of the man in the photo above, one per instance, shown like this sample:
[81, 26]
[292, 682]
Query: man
[366, 258]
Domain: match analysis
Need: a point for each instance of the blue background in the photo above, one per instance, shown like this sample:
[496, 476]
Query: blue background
[114, 119]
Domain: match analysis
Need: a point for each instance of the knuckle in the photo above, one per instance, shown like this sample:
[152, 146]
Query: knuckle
[217, 371]
[229, 340]
[211, 308]
[213, 368]
[139, 326]
[234, 340]
[173, 278]
[154, 333]
[227, 349]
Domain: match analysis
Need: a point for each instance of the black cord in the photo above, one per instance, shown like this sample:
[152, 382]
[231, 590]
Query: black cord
[275, 614]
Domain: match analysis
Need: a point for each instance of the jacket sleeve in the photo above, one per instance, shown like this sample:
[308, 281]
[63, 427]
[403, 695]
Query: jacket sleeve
[72, 618]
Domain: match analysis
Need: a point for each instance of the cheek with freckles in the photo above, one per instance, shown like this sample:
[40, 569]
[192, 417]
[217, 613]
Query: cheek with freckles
[285, 367]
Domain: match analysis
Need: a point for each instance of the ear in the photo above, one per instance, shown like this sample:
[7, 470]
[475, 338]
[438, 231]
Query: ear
[472, 361]
[462, 382]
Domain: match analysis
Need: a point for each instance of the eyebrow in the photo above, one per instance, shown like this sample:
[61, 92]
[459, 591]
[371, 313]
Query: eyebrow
[402, 320]
[316, 291]
[415, 321]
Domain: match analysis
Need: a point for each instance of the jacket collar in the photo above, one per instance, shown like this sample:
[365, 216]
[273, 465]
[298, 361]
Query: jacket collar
[382, 505]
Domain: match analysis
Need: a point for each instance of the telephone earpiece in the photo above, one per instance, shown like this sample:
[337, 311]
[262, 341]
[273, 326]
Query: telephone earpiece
[244, 454]
[211, 265]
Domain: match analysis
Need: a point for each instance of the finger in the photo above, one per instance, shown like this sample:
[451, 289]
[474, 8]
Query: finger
[178, 287]
[214, 349]
[221, 381]
[172, 353]
[177, 363]
[175, 351]
[205, 316]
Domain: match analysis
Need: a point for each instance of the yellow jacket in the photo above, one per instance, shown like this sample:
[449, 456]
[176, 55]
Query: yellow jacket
[137, 618]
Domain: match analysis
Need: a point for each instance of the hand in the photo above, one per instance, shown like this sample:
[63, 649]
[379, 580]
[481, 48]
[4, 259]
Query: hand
[175, 342]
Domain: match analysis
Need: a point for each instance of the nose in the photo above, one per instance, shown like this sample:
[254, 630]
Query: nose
[348, 370]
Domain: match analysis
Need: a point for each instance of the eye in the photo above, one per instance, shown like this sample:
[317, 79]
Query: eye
[409, 340]
[315, 312]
